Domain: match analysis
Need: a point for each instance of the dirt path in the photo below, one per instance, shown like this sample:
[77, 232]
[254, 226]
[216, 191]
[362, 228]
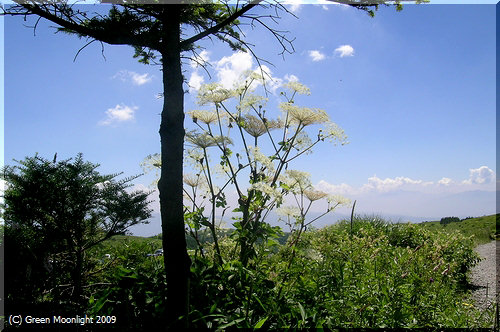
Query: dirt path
[483, 275]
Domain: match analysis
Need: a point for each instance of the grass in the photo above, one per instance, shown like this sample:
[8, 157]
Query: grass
[482, 228]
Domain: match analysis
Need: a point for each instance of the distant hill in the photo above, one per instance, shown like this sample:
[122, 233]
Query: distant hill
[483, 228]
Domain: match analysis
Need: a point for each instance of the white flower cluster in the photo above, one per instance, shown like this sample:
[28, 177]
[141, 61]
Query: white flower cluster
[338, 199]
[335, 134]
[314, 195]
[205, 140]
[298, 88]
[304, 115]
[258, 156]
[207, 117]
[288, 211]
[303, 141]
[268, 190]
[256, 127]
[193, 180]
[213, 93]
[298, 181]
[251, 101]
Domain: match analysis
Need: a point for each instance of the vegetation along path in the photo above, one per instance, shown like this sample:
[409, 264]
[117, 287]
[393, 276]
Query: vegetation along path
[483, 275]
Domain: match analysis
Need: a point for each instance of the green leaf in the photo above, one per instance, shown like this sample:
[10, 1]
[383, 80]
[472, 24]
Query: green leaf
[260, 323]
[302, 312]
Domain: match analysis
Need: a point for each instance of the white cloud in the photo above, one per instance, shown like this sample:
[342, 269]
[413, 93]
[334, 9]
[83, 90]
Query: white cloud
[294, 5]
[345, 50]
[481, 175]
[135, 78]
[342, 189]
[195, 81]
[388, 184]
[482, 178]
[316, 55]
[409, 197]
[445, 182]
[230, 68]
[272, 83]
[291, 78]
[120, 113]
[140, 79]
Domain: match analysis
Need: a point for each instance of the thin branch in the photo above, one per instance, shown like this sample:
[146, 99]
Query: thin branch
[216, 28]
[81, 49]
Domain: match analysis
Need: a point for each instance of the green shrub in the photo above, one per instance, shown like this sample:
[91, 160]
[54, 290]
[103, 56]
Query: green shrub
[447, 220]
[379, 275]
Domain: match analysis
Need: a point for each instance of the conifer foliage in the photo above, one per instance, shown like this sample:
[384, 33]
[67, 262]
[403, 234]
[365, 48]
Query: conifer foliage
[54, 212]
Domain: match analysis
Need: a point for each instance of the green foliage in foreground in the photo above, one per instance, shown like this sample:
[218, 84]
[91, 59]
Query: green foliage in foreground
[482, 228]
[365, 274]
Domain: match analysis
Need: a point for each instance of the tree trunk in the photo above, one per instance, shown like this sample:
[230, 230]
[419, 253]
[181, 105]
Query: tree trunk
[177, 262]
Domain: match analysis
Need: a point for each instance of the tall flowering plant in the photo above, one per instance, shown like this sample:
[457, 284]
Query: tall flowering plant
[268, 142]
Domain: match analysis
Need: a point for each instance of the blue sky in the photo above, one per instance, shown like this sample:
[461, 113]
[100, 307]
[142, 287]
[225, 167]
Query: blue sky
[414, 91]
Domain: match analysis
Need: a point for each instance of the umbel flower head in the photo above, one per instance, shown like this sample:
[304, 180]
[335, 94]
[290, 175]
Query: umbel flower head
[334, 134]
[192, 180]
[297, 87]
[207, 117]
[314, 195]
[258, 156]
[213, 93]
[205, 140]
[256, 127]
[304, 115]
[338, 200]
[252, 101]
[298, 181]
[288, 211]
[268, 190]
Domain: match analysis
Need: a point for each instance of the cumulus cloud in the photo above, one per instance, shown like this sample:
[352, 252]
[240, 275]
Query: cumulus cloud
[342, 189]
[388, 184]
[482, 178]
[291, 78]
[481, 175]
[316, 55]
[272, 83]
[135, 78]
[195, 81]
[120, 113]
[445, 182]
[344, 50]
[411, 197]
[230, 68]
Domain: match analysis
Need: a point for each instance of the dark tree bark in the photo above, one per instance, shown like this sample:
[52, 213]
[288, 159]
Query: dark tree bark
[177, 262]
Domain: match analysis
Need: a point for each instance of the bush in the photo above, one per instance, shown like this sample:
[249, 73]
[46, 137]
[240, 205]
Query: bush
[379, 275]
[55, 212]
[447, 220]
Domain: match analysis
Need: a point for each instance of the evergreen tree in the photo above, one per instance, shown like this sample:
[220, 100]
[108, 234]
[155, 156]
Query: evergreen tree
[54, 212]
